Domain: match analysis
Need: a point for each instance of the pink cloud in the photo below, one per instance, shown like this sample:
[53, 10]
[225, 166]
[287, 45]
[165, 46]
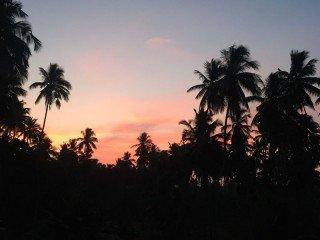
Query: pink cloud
[138, 127]
[168, 46]
[157, 42]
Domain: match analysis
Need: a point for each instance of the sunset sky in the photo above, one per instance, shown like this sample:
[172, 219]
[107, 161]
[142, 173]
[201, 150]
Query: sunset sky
[131, 62]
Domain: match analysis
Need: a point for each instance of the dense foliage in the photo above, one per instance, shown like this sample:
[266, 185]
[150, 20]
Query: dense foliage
[245, 177]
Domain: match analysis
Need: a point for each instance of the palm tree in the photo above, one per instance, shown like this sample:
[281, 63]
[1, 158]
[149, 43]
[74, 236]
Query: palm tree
[285, 93]
[16, 37]
[240, 147]
[237, 79]
[54, 88]
[87, 142]
[143, 148]
[126, 162]
[208, 92]
[201, 128]
[73, 144]
[10, 91]
[14, 120]
[288, 139]
[31, 131]
[200, 136]
[232, 79]
[15, 43]
[240, 133]
[299, 84]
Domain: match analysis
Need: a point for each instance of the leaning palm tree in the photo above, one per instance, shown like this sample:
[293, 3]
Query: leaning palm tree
[54, 88]
[87, 142]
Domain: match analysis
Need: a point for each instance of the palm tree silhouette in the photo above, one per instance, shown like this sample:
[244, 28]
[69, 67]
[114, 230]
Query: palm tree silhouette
[16, 37]
[13, 121]
[236, 79]
[201, 128]
[285, 93]
[208, 89]
[72, 144]
[228, 80]
[200, 135]
[240, 147]
[125, 162]
[142, 149]
[54, 88]
[87, 142]
[239, 132]
[31, 131]
[10, 91]
[298, 85]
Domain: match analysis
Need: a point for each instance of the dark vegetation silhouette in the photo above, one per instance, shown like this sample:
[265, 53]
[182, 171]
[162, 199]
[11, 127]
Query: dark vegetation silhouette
[252, 175]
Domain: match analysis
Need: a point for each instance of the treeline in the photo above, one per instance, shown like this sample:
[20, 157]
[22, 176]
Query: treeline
[241, 177]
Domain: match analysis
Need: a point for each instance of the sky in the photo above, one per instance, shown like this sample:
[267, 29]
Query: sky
[131, 62]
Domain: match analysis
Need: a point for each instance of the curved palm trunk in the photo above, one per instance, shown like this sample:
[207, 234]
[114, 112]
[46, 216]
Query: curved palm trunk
[45, 117]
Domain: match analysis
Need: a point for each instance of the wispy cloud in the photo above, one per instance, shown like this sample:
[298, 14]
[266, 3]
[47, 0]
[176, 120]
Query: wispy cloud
[168, 46]
[138, 127]
[158, 42]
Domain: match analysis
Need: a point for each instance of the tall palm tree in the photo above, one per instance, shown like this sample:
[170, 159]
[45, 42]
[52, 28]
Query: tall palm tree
[54, 88]
[87, 142]
[236, 80]
[233, 80]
